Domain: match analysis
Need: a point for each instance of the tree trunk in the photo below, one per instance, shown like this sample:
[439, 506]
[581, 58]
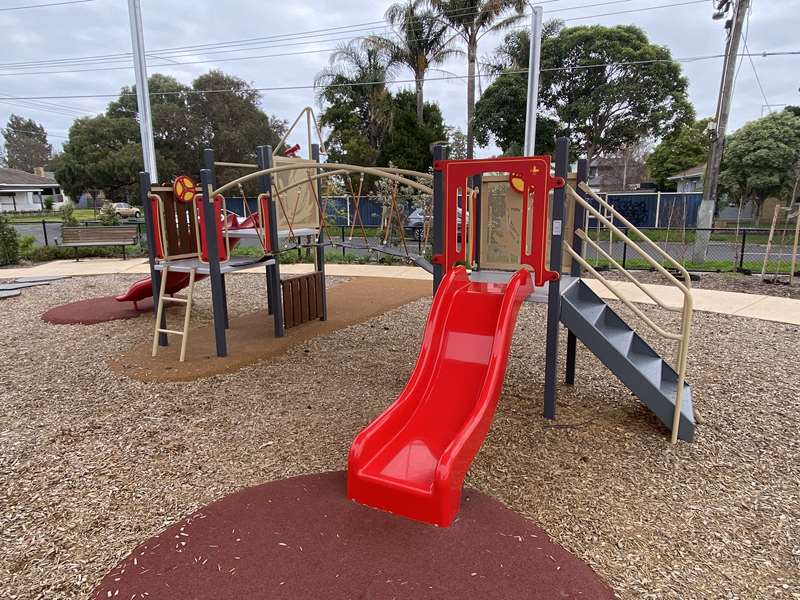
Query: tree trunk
[420, 98]
[472, 59]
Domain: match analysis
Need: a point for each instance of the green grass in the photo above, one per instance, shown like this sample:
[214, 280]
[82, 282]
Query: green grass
[721, 266]
[82, 214]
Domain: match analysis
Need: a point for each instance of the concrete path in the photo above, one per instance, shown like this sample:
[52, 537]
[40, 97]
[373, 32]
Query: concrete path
[768, 308]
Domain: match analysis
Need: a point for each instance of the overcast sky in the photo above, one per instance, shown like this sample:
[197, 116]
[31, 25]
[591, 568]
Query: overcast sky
[100, 27]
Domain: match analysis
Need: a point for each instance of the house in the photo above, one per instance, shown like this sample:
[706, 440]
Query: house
[617, 174]
[21, 191]
[691, 179]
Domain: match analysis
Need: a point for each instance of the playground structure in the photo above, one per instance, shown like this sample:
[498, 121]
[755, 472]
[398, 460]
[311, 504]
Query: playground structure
[413, 458]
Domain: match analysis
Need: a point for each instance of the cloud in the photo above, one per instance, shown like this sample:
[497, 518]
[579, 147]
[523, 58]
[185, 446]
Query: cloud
[102, 28]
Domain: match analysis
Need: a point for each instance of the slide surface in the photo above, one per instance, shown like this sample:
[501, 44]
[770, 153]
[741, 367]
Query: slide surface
[412, 459]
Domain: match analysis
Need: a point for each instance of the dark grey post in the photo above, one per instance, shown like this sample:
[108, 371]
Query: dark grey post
[554, 287]
[155, 276]
[320, 257]
[437, 248]
[208, 162]
[575, 268]
[274, 300]
[44, 231]
[217, 293]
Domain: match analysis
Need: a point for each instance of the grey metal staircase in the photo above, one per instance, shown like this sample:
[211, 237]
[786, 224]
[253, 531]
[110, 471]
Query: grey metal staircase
[626, 354]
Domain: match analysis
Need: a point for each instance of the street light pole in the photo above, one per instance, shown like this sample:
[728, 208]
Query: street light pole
[534, 58]
[705, 215]
[142, 90]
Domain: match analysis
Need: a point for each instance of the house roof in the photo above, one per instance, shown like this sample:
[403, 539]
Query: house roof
[16, 177]
[690, 173]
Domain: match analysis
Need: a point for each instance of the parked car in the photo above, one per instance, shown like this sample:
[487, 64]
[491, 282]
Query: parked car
[125, 210]
[416, 222]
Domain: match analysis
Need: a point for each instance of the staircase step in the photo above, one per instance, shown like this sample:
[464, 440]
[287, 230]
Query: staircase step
[627, 355]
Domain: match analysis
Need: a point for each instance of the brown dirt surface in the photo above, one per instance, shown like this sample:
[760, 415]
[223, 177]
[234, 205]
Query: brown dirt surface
[356, 552]
[251, 336]
[92, 463]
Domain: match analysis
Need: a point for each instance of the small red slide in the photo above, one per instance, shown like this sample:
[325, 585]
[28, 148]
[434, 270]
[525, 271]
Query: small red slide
[412, 459]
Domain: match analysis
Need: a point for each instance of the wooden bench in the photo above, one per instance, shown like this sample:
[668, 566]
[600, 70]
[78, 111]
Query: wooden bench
[115, 235]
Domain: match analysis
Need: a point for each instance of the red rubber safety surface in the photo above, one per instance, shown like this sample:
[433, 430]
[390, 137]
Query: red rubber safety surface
[95, 310]
[302, 538]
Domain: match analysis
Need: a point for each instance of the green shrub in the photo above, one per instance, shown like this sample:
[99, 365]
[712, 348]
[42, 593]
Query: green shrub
[108, 215]
[9, 245]
[26, 244]
[48, 203]
[68, 214]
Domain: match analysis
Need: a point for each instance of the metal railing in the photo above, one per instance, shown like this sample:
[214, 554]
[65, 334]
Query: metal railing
[686, 306]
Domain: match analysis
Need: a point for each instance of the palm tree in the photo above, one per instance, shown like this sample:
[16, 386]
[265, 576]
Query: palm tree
[359, 69]
[471, 20]
[424, 41]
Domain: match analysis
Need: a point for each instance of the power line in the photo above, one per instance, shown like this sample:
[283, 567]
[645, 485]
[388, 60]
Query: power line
[46, 135]
[758, 79]
[178, 51]
[399, 81]
[27, 6]
[312, 51]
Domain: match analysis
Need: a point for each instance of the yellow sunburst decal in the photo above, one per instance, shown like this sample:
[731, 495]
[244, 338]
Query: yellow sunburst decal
[184, 189]
[517, 182]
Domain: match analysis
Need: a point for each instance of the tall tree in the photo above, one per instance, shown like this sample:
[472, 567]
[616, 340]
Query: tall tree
[761, 157]
[104, 152]
[610, 87]
[358, 103]
[424, 41]
[408, 142]
[686, 147]
[471, 20]
[457, 142]
[26, 144]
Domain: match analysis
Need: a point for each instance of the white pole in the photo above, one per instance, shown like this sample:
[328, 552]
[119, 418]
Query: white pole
[533, 79]
[142, 90]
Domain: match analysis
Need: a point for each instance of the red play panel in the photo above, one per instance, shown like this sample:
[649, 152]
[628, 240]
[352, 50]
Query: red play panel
[95, 310]
[301, 538]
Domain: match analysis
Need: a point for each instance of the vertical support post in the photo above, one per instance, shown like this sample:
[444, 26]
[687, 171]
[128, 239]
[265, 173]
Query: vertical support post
[142, 90]
[575, 267]
[215, 276]
[319, 259]
[44, 231]
[439, 153]
[554, 287]
[741, 250]
[155, 276]
[533, 79]
[274, 300]
[658, 208]
[208, 162]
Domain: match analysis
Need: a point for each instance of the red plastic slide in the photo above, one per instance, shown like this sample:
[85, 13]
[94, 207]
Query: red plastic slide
[412, 459]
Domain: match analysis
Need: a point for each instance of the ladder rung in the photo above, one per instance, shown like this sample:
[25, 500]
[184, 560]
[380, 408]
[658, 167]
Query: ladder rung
[183, 300]
[172, 331]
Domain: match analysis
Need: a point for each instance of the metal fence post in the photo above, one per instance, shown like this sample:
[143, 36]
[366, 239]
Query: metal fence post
[44, 231]
[741, 252]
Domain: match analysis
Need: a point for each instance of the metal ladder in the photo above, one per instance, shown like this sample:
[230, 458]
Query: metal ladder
[160, 312]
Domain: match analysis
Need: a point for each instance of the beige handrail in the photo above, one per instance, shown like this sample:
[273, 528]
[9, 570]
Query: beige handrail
[686, 308]
[630, 226]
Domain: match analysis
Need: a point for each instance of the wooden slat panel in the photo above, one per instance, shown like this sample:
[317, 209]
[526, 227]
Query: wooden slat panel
[288, 304]
[312, 296]
[303, 298]
[298, 313]
[320, 286]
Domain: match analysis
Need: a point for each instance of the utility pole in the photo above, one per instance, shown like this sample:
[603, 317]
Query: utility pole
[534, 58]
[705, 215]
[142, 90]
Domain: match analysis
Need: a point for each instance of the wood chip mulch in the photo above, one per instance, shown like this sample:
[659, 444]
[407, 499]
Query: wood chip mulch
[92, 463]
